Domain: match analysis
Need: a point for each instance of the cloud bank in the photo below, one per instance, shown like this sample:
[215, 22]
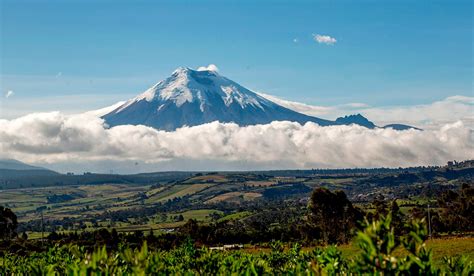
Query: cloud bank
[56, 138]
[427, 116]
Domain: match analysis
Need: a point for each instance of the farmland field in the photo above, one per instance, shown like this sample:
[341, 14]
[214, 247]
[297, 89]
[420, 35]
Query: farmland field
[90, 202]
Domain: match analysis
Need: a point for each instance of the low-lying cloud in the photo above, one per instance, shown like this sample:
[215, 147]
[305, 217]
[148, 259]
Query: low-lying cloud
[427, 116]
[56, 138]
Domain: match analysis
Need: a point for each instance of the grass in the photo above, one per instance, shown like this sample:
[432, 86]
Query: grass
[35, 235]
[452, 246]
[191, 189]
[166, 194]
[155, 191]
[199, 215]
[177, 191]
[234, 197]
[235, 216]
[205, 178]
[25, 201]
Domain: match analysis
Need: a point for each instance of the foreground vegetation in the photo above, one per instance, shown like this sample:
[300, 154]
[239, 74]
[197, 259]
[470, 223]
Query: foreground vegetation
[377, 254]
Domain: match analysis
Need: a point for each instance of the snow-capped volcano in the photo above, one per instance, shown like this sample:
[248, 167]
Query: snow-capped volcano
[189, 97]
[187, 86]
[194, 97]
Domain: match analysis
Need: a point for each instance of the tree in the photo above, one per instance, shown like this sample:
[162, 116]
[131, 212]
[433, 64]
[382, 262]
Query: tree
[179, 218]
[8, 223]
[458, 209]
[333, 215]
[215, 216]
[383, 208]
[398, 219]
[190, 228]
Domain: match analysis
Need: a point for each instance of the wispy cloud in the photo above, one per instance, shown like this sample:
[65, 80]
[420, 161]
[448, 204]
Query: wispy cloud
[324, 39]
[210, 67]
[9, 94]
[296, 40]
[59, 74]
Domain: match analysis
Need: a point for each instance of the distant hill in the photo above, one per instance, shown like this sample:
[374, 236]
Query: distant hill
[12, 174]
[400, 127]
[11, 179]
[11, 164]
[10, 168]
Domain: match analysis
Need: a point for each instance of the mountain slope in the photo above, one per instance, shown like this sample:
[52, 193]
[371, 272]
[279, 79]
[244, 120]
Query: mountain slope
[11, 164]
[13, 168]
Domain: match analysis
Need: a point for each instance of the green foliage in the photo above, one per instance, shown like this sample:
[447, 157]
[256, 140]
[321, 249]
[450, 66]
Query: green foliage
[330, 260]
[8, 223]
[458, 265]
[333, 215]
[419, 260]
[458, 209]
[377, 242]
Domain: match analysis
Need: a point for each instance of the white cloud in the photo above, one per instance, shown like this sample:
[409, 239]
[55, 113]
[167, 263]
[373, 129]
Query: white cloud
[57, 138]
[210, 67]
[324, 39]
[59, 74]
[296, 40]
[312, 110]
[426, 116]
[9, 94]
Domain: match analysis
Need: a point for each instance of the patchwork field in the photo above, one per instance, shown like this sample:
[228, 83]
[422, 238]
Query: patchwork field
[71, 201]
[207, 197]
[235, 197]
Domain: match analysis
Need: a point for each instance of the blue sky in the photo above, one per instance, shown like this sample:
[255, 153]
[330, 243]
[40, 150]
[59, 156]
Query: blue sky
[82, 55]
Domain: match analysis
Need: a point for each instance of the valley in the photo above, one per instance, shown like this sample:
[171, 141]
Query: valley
[165, 201]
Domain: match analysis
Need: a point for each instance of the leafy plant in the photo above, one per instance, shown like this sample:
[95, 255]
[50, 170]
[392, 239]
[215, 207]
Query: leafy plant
[380, 255]
[458, 265]
[378, 243]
